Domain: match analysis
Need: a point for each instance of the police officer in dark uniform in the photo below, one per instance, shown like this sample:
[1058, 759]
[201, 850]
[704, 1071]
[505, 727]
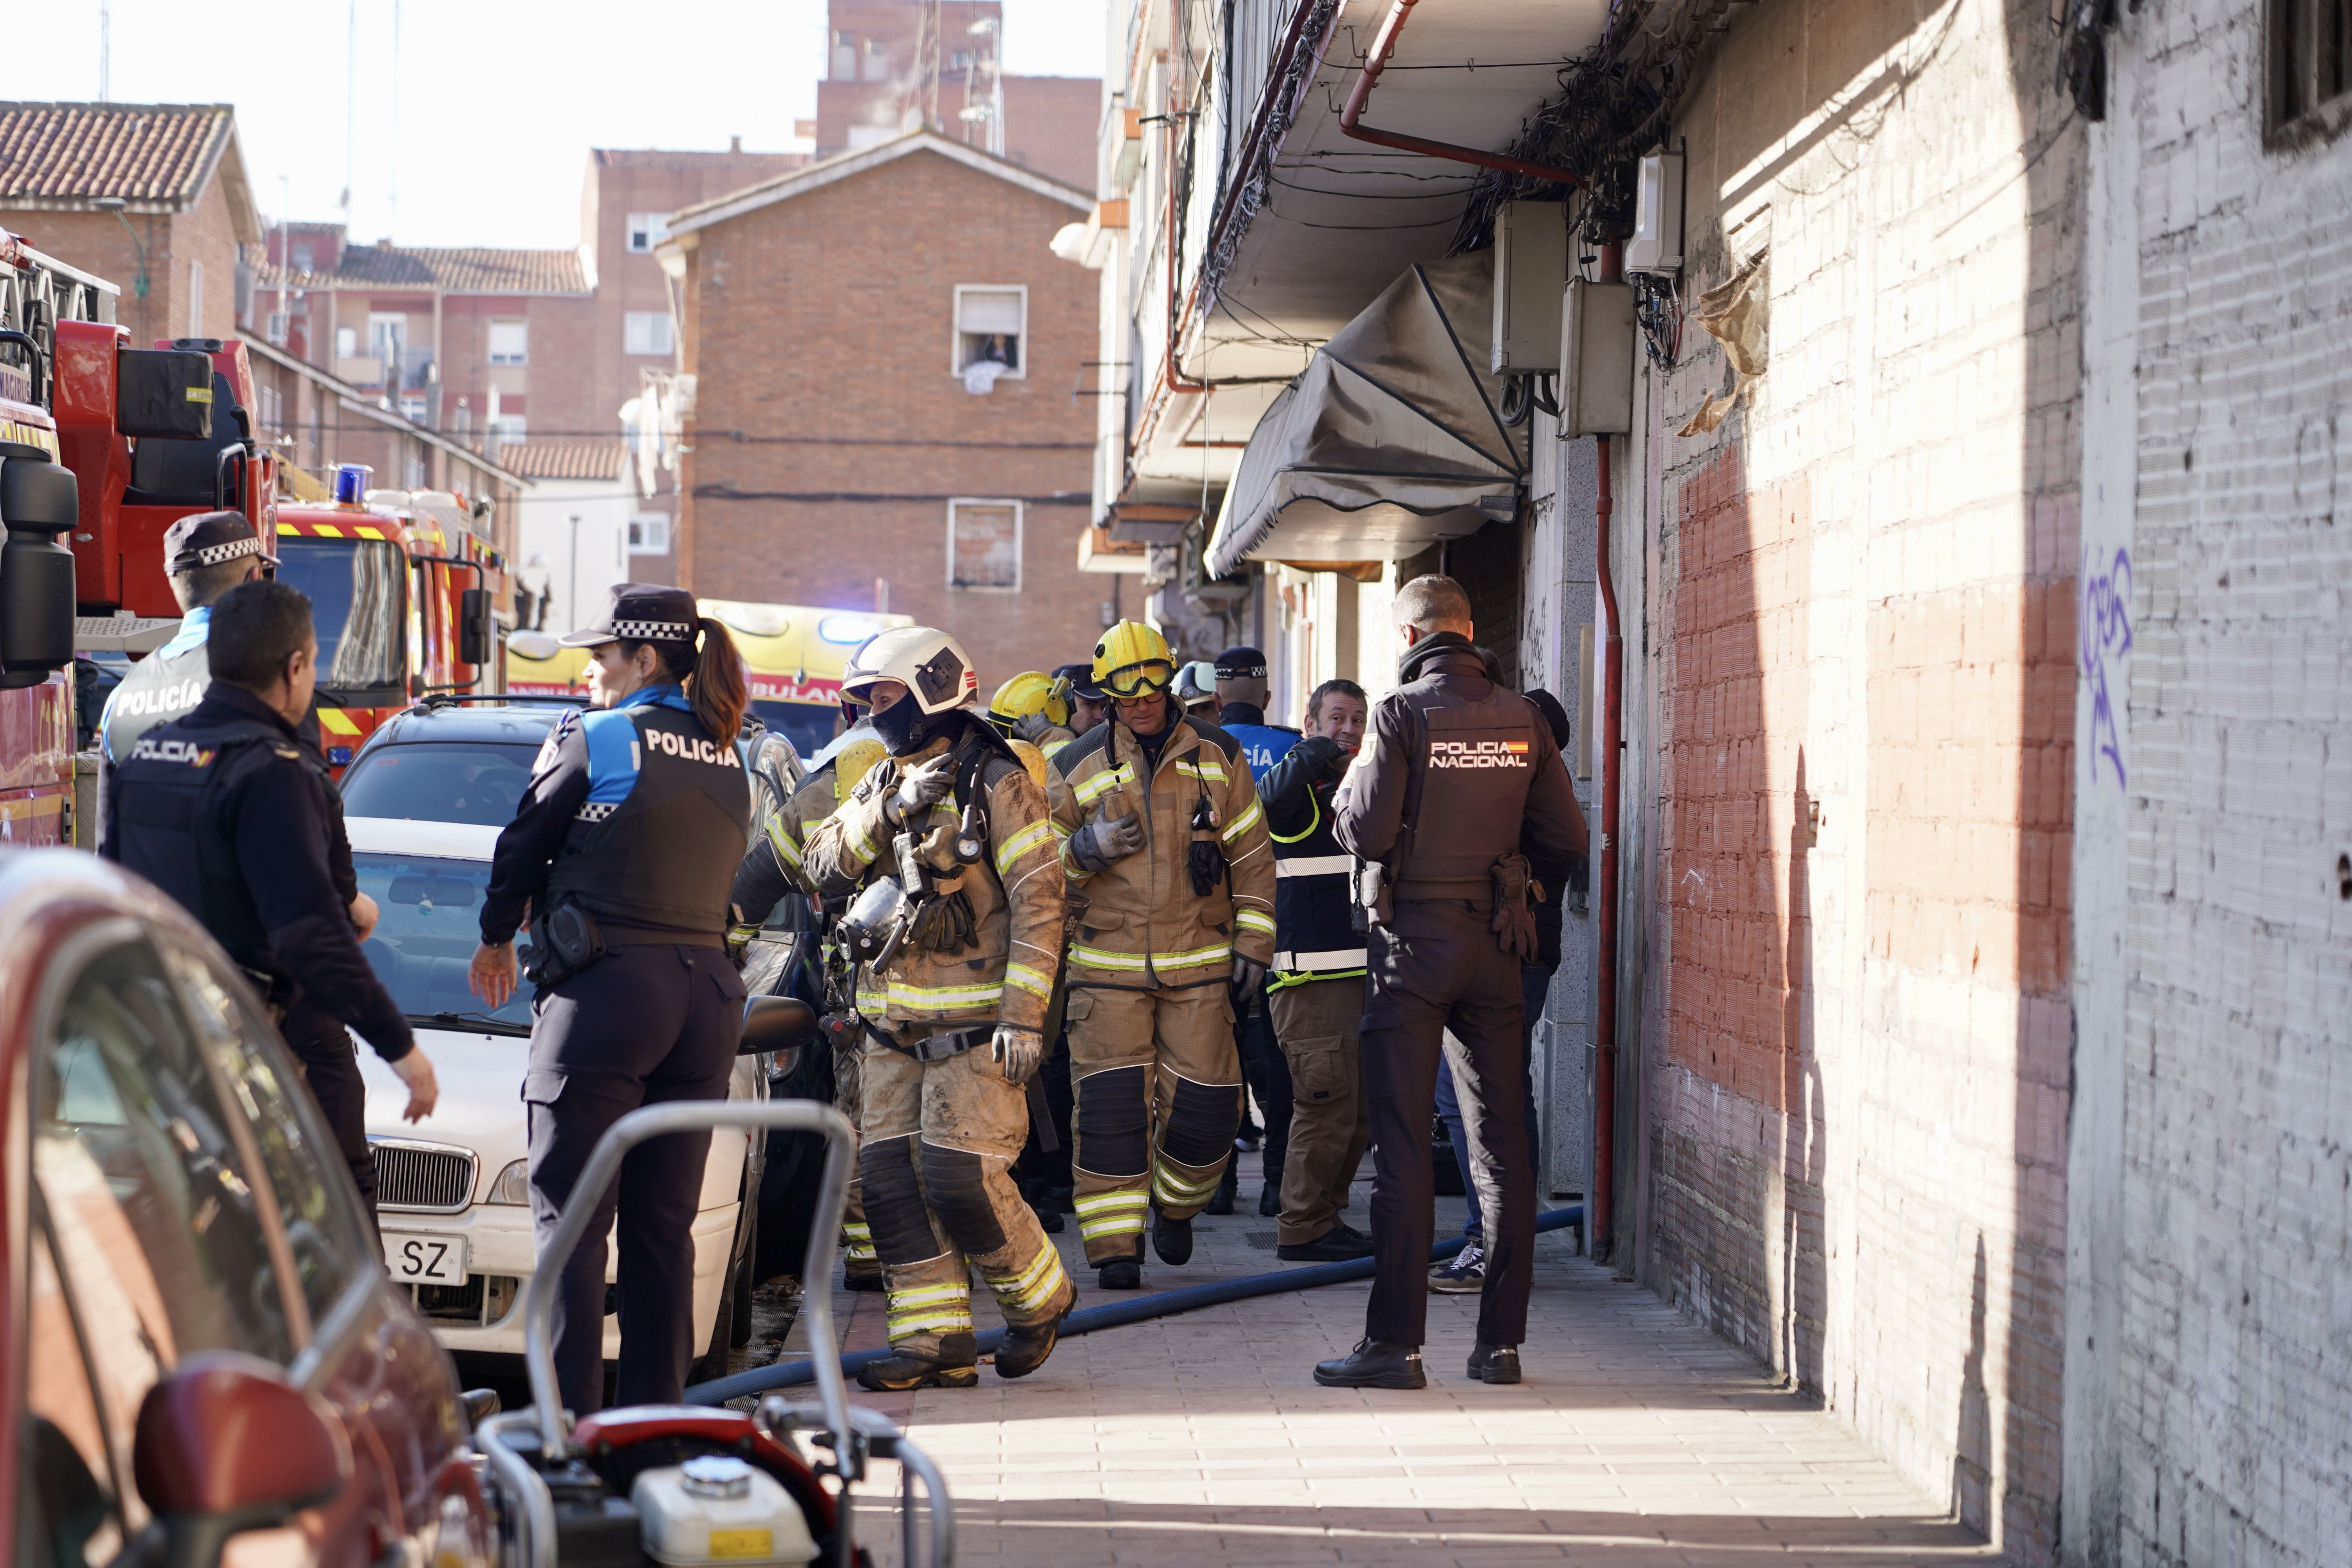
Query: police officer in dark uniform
[1457, 788]
[205, 556]
[622, 851]
[221, 809]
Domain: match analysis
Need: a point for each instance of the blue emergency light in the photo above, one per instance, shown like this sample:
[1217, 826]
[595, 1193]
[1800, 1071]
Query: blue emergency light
[352, 483]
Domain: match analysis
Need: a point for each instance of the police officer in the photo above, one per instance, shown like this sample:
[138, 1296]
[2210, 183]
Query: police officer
[1089, 706]
[1241, 710]
[622, 847]
[221, 810]
[953, 1006]
[1458, 783]
[205, 556]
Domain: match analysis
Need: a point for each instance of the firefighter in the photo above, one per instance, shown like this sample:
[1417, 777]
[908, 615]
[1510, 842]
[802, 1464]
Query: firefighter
[623, 850]
[951, 830]
[1316, 993]
[1034, 707]
[1162, 830]
[1458, 787]
[775, 865]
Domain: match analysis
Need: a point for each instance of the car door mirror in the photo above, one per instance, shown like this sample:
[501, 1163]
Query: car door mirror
[474, 632]
[779, 1023]
[226, 1444]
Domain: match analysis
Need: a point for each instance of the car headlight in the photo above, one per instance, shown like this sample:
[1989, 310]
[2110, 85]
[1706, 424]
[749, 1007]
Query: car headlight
[513, 1186]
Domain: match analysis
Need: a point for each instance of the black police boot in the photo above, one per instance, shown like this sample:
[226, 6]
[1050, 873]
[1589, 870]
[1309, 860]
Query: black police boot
[1228, 1187]
[956, 1366]
[1374, 1364]
[1269, 1201]
[1339, 1244]
[1172, 1239]
[1025, 1350]
[1120, 1274]
[1494, 1363]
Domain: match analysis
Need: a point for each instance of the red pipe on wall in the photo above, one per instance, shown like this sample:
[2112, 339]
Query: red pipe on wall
[1384, 44]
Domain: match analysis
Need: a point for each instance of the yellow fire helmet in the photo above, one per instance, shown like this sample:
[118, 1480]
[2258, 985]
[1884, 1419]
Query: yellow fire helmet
[1025, 694]
[1031, 758]
[1132, 659]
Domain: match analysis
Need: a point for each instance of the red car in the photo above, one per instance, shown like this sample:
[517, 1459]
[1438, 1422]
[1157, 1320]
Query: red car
[197, 1334]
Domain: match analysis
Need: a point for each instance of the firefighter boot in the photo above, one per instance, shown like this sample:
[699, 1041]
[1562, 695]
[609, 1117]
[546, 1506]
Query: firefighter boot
[956, 1365]
[1024, 1349]
[1172, 1239]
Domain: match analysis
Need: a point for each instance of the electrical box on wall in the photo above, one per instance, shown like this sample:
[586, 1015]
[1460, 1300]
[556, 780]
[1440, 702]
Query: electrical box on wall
[1657, 242]
[1530, 260]
[1596, 360]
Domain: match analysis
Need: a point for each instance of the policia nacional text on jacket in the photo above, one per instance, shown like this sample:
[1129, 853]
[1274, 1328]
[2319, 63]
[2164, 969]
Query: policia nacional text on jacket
[221, 810]
[622, 849]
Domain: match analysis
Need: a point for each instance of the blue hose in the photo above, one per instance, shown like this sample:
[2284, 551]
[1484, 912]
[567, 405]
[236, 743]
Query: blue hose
[1118, 1314]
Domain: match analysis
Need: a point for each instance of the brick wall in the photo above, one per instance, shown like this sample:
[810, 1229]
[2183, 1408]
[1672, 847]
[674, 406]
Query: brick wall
[2222, 613]
[96, 243]
[819, 327]
[1859, 624]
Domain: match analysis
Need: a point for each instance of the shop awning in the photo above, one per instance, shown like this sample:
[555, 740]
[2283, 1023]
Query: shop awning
[1391, 438]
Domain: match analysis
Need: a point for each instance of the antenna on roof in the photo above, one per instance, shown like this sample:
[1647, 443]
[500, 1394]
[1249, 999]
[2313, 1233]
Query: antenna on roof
[105, 48]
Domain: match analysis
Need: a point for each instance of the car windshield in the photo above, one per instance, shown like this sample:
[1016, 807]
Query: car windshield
[440, 781]
[809, 726]
[356, 602]
[428, 911]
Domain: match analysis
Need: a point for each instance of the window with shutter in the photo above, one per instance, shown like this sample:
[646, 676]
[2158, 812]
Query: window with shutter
[991, 322]
[983, 544]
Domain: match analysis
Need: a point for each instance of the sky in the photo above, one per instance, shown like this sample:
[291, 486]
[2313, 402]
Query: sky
[474, 118]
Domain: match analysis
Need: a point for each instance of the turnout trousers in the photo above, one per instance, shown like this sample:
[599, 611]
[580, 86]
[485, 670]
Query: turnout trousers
[938, 1141]
[1437, 967]
[1330, 1122]
[1159, 1087]
[858, 1261]
[642, 1026]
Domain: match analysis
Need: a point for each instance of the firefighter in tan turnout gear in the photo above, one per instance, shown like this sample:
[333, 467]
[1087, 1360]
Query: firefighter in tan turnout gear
[1163, 837]
[957, 918]
[787, 808]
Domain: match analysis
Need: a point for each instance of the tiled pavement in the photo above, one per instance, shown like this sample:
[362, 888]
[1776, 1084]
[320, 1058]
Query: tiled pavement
[1637, 1440]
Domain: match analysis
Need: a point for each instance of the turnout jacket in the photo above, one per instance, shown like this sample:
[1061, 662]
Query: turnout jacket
[1015, 890]
[1143, 924]
[1490, 781]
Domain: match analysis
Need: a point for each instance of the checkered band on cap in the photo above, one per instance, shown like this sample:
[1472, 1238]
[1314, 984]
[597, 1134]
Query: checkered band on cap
[217, 554]
[653, 631]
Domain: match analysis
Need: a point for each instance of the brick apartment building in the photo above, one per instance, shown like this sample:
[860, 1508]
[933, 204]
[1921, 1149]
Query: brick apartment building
[186, 206]
[876, 85]
[840, 452]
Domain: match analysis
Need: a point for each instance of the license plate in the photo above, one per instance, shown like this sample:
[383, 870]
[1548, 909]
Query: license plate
[420, 1259]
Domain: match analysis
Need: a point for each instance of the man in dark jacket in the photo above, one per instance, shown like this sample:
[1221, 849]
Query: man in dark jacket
[1457, 787]
[221, 810]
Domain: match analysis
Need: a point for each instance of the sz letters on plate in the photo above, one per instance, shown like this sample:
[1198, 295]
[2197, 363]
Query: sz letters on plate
[417, 1257]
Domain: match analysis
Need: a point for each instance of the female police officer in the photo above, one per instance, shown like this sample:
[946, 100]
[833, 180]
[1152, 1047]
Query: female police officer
[623, 850]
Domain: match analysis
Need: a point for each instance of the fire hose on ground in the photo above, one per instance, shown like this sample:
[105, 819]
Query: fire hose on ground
[1160, 1304]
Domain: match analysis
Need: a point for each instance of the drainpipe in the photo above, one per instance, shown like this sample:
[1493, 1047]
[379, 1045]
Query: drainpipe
[1384, 44]
[1602, 1237]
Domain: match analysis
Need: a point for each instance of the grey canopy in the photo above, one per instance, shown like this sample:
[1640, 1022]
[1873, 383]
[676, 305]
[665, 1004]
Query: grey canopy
[1390, 439]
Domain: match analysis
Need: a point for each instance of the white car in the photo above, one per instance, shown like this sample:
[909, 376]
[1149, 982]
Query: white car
[452, 1198]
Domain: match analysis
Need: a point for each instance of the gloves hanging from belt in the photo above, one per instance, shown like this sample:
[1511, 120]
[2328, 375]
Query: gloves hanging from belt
[1514, 924]
[945, 923]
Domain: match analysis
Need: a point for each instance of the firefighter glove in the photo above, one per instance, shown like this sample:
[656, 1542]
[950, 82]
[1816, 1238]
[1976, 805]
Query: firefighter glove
[1032, 728]
[1248, 973]
[919, 789]
[946, 924]
[1206, 865]
[1106, 840]
[1018, 1052]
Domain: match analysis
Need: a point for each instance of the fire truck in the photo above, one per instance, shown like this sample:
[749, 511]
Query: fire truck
[40, 297]
[402, 585]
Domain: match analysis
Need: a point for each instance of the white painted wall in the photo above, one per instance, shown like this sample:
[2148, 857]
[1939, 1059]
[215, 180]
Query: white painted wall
[603, 508]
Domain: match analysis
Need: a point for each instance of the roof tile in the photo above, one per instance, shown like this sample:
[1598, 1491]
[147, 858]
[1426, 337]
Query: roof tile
[139, 151]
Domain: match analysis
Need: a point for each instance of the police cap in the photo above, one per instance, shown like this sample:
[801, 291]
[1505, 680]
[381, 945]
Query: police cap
[1241, 664]
[211, 539]
[641, 612]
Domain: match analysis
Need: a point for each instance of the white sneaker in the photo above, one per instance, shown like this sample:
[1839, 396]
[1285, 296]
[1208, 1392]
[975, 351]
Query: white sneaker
[1464, 1274]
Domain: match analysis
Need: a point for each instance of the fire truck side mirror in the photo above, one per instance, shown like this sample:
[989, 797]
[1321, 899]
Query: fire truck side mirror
[37, 503]
[475, 633]
[166, 393]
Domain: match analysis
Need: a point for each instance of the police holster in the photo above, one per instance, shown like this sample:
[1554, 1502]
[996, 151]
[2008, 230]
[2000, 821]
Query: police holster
[563, 941]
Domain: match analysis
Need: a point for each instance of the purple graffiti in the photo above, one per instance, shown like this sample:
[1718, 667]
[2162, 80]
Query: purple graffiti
[2106, 620]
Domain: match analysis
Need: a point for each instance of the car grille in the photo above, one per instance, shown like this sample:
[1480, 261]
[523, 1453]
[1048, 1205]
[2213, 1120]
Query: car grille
[422, 1178]
[483, 1301]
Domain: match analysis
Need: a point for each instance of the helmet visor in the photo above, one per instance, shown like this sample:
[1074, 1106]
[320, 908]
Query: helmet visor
[1139, 679]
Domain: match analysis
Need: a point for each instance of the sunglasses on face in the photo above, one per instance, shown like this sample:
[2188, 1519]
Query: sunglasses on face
[1139, 679]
